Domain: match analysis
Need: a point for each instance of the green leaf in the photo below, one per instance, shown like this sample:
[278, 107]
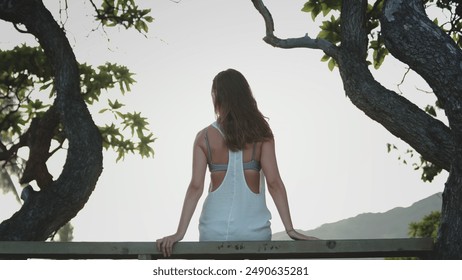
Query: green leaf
[115, 105]
[325, 58]
[325, 9]
[309, 6]
[379, 57]
[315, 12]
[330, 30]
[331, 64]
[430, 110]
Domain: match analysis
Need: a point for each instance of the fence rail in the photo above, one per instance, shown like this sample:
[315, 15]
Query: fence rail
[347, 248]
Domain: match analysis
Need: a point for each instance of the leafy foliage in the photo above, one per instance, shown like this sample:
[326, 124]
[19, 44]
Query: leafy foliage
[428, 169]
[26, 88]
[24, 68]
[453, 25]
[27, 92]
[136, 124]
[315, 7]
[427, 227]
[123, 12]
[330, 29]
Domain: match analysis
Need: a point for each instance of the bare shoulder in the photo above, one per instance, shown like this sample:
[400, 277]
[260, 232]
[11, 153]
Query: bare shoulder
[200, 137]
[268, 152]
[268, 145]
[201, 133]
[269, 162]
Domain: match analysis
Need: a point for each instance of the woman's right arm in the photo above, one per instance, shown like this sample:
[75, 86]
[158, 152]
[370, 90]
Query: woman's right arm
[193, 194]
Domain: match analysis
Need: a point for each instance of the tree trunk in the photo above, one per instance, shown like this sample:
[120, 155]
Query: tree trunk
[414, 39]
[45, 211]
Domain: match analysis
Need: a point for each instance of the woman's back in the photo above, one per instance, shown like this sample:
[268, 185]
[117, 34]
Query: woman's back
[220, 155]
[235, 208]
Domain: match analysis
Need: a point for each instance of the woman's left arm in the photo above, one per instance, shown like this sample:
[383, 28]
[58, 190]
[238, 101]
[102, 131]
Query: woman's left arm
[193, 194]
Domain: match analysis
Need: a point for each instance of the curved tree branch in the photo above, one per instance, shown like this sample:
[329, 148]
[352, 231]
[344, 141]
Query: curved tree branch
[302, 42]
[46, 211]
[427, 135]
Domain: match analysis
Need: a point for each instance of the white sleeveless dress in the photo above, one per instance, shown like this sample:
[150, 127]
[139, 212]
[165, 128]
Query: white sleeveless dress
[233, 212]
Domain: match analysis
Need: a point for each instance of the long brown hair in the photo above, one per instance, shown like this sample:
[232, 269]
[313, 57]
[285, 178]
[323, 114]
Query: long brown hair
[239, 117]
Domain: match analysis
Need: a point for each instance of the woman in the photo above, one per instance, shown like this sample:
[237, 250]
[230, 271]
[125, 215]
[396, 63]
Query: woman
[236, 148]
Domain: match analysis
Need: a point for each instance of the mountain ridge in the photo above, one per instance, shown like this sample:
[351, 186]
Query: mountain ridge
[393, 223]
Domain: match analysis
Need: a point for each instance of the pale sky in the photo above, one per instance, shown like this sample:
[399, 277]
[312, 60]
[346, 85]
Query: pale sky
[333, 158]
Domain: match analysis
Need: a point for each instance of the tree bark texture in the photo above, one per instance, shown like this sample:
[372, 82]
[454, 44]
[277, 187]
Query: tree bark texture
[411, 37]
[414, 39]
[45, 211]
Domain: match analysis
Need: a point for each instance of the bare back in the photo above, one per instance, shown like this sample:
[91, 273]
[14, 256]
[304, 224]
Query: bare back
[219, 154]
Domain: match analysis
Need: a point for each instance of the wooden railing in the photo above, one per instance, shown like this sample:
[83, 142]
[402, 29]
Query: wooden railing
[359, 248]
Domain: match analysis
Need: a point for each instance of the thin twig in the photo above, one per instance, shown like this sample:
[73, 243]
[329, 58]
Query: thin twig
[66, 14]
[424, 91]
[402, 80]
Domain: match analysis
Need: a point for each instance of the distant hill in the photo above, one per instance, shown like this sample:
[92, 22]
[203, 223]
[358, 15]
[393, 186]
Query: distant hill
[391, 224]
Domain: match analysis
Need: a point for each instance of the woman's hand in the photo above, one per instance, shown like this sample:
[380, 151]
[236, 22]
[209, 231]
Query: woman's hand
[165, 245]
[299, 236]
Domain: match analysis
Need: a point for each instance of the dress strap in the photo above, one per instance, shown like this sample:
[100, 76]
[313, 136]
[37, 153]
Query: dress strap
[207, 144]
[213, 166]
[217, 126]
